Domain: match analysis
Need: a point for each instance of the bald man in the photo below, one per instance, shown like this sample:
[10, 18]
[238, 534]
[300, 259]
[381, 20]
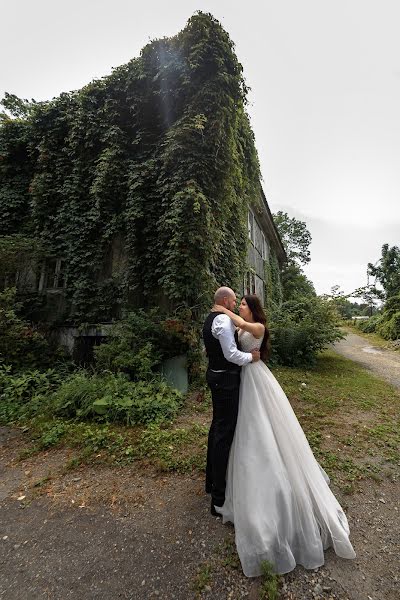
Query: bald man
[223, 378]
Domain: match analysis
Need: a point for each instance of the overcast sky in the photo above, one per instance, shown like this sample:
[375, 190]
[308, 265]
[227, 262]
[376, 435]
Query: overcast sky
[324, 101]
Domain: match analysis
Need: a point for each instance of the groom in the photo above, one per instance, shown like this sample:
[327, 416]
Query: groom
[223, 378]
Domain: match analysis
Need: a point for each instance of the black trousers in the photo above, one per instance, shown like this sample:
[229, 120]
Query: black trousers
[225, 398]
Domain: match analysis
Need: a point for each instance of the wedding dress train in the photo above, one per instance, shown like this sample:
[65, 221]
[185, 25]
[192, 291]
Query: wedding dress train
[277, 494]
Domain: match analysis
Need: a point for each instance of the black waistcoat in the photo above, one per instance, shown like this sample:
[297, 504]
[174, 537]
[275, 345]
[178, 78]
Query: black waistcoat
[216, 359]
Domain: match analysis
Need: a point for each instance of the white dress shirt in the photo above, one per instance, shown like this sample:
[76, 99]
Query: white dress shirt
[223, 330]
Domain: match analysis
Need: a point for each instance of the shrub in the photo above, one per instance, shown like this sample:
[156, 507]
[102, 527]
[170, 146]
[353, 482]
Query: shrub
[137, 344]
[389, 328]
[26, 394]
[301, 328]
[392, 305]
[20, 344]
[386, 323]
[80, 395]
[113, 397]
[370, 325]
[389, 325]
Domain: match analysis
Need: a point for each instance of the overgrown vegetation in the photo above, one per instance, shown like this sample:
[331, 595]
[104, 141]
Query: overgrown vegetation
[114, 398]
[155, 163]
[21, 344]
[387, 273]
[102, 397]
[351, 418]
[301, 323]
[138, 343]
[302, 328]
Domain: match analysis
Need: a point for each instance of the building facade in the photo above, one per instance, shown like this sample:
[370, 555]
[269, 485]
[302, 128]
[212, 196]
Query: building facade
[263, 243]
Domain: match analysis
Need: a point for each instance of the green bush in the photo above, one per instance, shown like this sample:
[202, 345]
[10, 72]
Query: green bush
[301, 328]
[24, 395]
[387, 322]
[370, 325]
[137, 344]
[21, 346]
[392, 306]
[113, 397]
[80, 395]
[389, 325]
[389, 328]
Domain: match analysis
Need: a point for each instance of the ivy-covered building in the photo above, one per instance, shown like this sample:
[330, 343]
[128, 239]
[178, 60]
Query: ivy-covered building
[266, 254]
[141, 189]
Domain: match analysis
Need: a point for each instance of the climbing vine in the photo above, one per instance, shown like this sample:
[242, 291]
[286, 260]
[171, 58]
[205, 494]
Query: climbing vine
[273, 285]
[159, 154]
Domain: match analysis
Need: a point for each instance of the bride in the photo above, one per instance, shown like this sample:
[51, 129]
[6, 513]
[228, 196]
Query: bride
[277, 495]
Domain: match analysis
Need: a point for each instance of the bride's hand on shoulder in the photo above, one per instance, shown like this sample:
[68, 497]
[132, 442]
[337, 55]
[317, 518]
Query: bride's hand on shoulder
[220, 308]
[237, 320]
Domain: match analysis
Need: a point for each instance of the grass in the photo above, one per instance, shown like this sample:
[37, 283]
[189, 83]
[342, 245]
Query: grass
[269, 582]
[174, 449]
[168, 447]
[203, 578]
[228, 554]
[350, 417]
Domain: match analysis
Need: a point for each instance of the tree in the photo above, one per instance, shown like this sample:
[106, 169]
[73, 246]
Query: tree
[347, 309]
[387, 272]
[295, 237]
[295, 284]
[17, 107]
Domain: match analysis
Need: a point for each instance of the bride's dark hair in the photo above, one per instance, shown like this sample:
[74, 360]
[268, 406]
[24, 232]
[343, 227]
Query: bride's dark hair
[255, 306]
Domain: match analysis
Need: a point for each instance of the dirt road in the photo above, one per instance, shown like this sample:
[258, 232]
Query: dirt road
[382, 362]
[116, 532]
[107, 532]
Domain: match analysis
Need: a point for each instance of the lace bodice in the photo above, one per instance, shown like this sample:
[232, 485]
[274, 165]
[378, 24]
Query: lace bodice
[248, 342]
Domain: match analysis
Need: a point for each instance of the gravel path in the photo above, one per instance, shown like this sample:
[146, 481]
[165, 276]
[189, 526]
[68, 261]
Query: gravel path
[108, 533]
[104, 533]
[385, 363]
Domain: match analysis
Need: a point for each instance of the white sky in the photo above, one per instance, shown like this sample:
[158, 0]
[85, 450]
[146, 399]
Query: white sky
[325, 100]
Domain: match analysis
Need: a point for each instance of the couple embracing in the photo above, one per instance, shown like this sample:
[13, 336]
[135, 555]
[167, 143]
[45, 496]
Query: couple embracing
[261, 472]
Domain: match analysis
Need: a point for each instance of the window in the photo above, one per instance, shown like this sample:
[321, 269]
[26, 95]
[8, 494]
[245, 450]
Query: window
[52, 275]
[257, 236]
[249, 283]
[264, 253]
[250, 222]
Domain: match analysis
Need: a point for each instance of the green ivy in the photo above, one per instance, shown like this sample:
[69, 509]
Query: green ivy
[273, 285]
[160, 154]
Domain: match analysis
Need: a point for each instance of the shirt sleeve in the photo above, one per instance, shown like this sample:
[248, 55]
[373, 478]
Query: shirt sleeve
[223, 330]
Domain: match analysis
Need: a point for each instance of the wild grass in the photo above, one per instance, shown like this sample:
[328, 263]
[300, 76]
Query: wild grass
[350, 417]
[269, 582]
[203, 578]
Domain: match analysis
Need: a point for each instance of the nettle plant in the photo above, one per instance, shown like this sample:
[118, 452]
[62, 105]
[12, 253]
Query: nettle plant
[160, 154]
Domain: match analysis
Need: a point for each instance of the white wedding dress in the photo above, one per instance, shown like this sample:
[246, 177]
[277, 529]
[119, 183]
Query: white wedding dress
[277, 495]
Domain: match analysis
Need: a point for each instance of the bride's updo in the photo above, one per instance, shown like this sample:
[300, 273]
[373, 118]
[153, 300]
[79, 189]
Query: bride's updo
[257, 311]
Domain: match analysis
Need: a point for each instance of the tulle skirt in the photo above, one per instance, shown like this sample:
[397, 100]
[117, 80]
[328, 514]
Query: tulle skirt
[277, 494]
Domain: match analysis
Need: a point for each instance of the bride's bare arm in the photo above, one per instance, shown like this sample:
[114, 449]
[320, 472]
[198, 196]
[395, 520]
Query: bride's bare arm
[256, 329]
